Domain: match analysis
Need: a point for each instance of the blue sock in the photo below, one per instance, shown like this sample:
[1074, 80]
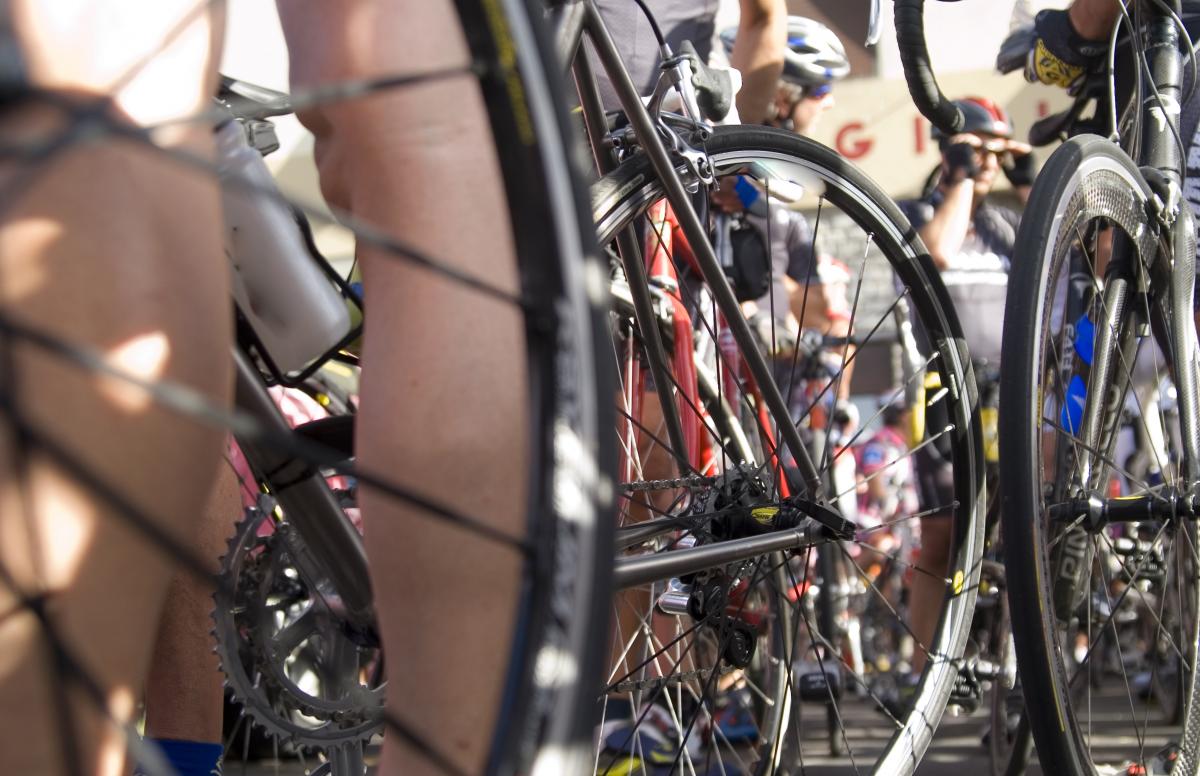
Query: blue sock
[187, 758]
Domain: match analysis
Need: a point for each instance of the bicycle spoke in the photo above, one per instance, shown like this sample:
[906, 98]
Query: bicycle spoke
[898, 393]
[912, 451]
[1112, 626]
[837, 380]
[850, 360]
[192, 404]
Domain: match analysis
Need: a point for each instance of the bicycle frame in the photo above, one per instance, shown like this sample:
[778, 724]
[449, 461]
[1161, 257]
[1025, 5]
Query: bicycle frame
[1159, 156]
[1176, 258]
[573, 21]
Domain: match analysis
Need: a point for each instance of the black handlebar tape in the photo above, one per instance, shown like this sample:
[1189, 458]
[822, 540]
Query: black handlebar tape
[922, 85]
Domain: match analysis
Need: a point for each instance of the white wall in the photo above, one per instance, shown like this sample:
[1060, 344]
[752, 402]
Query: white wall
[961, 35]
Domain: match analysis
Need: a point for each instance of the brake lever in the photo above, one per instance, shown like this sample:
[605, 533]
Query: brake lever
[873, 24]
[1014, 51]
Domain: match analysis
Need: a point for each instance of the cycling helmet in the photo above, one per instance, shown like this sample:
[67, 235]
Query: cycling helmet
[814, 58]
[981, 116]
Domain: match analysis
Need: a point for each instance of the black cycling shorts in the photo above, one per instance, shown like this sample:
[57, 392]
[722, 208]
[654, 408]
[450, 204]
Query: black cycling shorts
[13, 77]
[935, 483]
[931, 462]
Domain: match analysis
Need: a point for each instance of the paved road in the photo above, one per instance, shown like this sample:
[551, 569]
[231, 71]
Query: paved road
[957, 749]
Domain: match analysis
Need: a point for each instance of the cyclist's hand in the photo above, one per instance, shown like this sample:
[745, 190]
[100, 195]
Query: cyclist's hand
[736, 194]
[1060, 56]
[845, 416]
[1014, 51]
[960, 159]
[1022, 170]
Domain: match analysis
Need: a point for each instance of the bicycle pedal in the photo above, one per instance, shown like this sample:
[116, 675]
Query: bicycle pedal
[967, 693]
[986, 670]
[674, 601]
[820, 686]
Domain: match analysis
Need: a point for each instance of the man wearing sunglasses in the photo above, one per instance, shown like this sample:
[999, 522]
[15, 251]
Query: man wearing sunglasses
[969, 237]
[971, 241]
[815, 58]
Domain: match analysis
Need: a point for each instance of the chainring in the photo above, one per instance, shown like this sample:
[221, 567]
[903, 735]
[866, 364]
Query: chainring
[288, 657]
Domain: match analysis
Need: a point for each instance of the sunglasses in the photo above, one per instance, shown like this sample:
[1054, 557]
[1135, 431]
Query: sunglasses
[995, 145]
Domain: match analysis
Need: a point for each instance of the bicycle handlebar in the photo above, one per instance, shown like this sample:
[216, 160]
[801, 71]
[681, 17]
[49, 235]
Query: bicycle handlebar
[922, 85]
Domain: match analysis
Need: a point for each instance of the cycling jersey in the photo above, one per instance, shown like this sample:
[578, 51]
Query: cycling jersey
[977, 276]
[886, 450]
[680, 20]
[790, 242]
[884, 447]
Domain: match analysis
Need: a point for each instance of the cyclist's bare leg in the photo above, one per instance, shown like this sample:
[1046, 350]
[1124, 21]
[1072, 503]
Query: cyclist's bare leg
[184, 698]
[114, 248]
[444, 379]
[929, 583]
[634, 643]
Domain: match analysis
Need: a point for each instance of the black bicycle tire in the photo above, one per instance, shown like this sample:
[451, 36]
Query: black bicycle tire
[619, 196]
[1060, 746]
[547, 713]
[1007, 758]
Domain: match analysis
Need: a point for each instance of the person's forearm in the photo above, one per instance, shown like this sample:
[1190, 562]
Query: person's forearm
[758, 55]
[1094, 19]
[945, 233]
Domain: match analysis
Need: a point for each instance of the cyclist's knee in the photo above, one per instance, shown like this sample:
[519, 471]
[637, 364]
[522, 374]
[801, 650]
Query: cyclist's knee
[155, 60]
[358, 140]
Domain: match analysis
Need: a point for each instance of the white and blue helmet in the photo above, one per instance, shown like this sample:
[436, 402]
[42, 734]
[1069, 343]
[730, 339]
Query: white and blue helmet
[815, 56]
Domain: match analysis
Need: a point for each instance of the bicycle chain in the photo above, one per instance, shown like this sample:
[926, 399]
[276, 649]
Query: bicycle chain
[659, 682]
[691, 481]
[694, 481]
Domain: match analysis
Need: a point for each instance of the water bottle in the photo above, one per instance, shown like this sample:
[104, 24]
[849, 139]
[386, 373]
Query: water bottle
[289, 302]
[1076, 394]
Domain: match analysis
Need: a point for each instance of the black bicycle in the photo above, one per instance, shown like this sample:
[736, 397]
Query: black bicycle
[1101, 562]
[725, 508]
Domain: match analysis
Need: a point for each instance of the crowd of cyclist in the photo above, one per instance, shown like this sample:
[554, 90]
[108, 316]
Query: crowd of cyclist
[971, 239]
[969, 235]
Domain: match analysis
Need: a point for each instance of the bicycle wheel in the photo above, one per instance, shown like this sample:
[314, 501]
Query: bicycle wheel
[563, 548]
[1111, 591]
[690, 701]
[1008, 739]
